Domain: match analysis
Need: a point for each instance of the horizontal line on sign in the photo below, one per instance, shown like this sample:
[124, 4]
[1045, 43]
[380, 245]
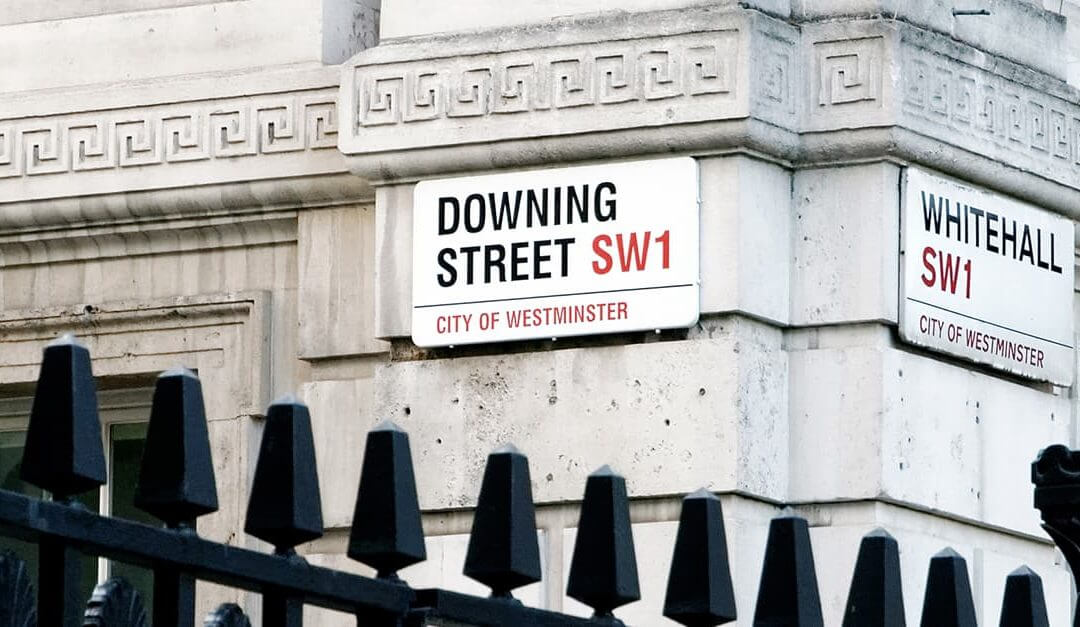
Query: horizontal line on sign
[503, 300]
[1036, 337]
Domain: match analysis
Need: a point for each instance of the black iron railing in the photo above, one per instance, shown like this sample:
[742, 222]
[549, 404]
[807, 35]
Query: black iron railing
[64, 456]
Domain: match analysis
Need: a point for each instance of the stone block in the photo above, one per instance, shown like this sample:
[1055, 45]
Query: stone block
[341, 416]
[962, 441]
[403, 18]
[155, 38]
[845, 238]
[651, 410]
[393, 260]
[336, 254]
[918, 430]
[1020, 30]
[745, 235]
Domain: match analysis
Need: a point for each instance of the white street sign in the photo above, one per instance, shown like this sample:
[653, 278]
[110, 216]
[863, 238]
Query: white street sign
[987, 278]
[558, 252]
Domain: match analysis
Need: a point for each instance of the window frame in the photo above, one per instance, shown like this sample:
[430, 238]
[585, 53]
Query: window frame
[130, 405]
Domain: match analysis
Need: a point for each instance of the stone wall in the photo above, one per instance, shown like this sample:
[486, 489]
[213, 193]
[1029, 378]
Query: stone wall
[229, 185]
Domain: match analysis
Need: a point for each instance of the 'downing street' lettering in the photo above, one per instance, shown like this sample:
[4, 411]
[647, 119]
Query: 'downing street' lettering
[509, 210]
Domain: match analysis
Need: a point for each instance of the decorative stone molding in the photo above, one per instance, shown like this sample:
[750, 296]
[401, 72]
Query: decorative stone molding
[848, 80]
[1033, 127]
[692, 75]
[706, 81]
[177, 236]
[126, 138]
[137, 153]
[224, 336]
[676, 70]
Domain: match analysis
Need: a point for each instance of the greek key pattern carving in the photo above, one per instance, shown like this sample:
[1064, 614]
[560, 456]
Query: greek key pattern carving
[695, 67]
[168, 134]
[849, 74]
[774, 78]
[990, 114]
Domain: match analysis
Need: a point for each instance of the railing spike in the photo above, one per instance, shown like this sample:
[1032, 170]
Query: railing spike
[948, 601]
[176, 481]
[788, 594]
[876, 596]
[1024, 604]
[503, 551]
[699, 590]
[603, 570]
[64, 452]
[285, 508]
[386, 530]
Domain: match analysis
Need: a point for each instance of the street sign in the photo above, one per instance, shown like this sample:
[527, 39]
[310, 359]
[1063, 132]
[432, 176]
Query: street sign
[986, 278]
[556, 252]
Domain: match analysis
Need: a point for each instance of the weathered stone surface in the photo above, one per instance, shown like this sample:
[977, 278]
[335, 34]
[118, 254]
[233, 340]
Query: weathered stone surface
[336, 257]
[263, 138]
[857, 88]
[646, 409]
[746, 237]
[150, 38]
[190, 201]
[341, 416]
[906, 422]
[845, 254]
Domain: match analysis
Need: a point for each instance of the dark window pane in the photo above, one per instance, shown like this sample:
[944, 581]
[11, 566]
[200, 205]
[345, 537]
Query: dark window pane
[127, 448]
[11, 451]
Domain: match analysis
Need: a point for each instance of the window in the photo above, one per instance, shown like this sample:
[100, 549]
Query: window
[123, 421]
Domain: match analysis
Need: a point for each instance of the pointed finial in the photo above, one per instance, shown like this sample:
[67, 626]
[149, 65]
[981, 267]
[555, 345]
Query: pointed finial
[176, 482]
[875, 598]
[1024, 604]
[178, 371]
[386, 529]
[285, 508]
[788, 594]
[67, 339]
[603, 571]
[603, 471]
[64, 453]
[700, 493]
[948, 601]
[699, 590]
[507, 448]
[503, 550]
[388, 425]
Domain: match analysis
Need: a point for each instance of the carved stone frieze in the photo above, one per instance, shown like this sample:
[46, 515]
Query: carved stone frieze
[705, 82]
[774, 69]
[990, 114]
[168, 134]
[847, 80]
[567, 89]
[191, 146]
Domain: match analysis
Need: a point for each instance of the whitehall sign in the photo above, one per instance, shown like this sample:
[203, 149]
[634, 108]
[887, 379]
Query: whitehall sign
[986, 278]
[558, 252]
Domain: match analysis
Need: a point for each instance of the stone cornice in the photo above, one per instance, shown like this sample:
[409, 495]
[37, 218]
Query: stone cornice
[116, 154]
[708, 81]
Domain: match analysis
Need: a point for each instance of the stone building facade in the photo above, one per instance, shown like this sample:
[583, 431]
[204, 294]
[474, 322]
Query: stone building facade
[228, 184]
